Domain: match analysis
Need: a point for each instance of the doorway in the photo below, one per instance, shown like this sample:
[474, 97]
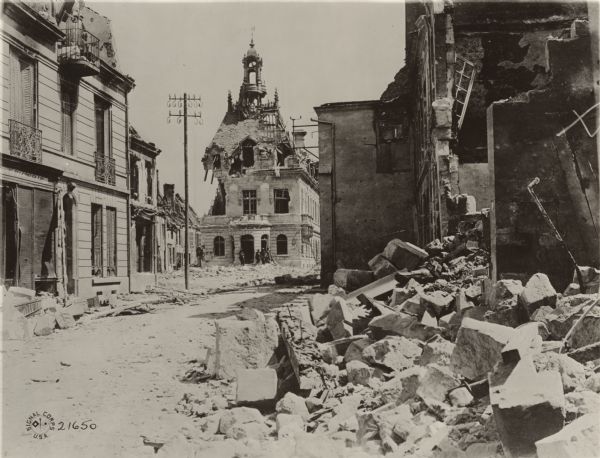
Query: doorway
[247, 242]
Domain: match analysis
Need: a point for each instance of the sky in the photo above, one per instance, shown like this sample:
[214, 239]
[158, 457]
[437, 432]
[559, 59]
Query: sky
[313, 53]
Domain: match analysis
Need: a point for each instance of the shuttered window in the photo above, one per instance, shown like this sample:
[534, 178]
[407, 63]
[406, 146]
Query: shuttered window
[103, 120]
[68, 94]
[97, 261]
[111, 238]
[23, 103]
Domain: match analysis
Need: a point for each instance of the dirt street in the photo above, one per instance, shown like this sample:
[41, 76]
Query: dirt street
[119, 375]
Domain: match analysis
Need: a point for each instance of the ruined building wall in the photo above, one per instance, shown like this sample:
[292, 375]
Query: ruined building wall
[370, 206]
[527, 139]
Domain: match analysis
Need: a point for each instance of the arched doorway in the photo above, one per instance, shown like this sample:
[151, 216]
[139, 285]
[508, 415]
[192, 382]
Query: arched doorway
[247, 242]
[264, 242]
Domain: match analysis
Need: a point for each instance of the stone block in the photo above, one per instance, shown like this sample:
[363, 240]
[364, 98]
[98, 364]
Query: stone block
[286, 424]
[527, 406]
[525, 340]
[587, 332]
[319, 307]
[429, 320]
[292, 404]
[503, 291]
[437, 302]
[538, 292]
[244, 345]
[400, 295]
[397, 353]
[241, 423]
[15, 326]
[571, 372]
[21, 292]
[404, 255]
[478, 347]
[586, 353]
[64, 320]
[339, 319]
[413, 305]
[352, 279]
[360, 373]
[355, 350]
[402, 324]
[579, 403]
[438, 350]
[591, 279]
[577, 440]
[381, 266]
[44, 324]
[436, 383]
[256, 385]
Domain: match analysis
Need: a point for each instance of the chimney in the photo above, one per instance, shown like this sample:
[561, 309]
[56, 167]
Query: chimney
[299, 138]
[169, 192]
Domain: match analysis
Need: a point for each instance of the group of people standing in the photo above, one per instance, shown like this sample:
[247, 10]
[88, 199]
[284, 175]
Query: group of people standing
[261, 257]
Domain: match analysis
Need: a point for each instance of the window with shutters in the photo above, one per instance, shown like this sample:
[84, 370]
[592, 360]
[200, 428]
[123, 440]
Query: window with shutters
[23, 89]
[249, 202]
[97, 261]
[68, 94]
[103, 127]
[111, 239]
[282, 200]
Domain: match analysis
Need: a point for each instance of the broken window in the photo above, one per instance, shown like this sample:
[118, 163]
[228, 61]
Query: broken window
[248, 154]
[249, 202]
[111, 238]
[282, 245]
[134, 177]
[149, 182]
[219, 246]
[282, 200]
[68, 95]
[97, 261]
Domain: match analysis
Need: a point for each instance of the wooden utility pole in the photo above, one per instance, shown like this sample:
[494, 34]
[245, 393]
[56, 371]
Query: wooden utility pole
[183, 103]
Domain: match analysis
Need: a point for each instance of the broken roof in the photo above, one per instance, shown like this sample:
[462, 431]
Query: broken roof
[398, 88]
[233, 130]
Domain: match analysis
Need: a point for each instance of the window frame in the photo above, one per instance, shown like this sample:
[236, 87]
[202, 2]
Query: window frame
[72, 90]
[219, 246]
[284, 197]
[97, 265]
[103, 105]
[21, 56]
[279, 241]
[249, 199]
[112, 268]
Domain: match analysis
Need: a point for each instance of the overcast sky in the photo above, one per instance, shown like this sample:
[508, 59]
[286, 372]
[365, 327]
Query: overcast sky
[313, 53]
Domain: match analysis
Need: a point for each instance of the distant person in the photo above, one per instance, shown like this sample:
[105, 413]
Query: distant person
[263, 256]
[268, 255]
[242, 258]
[257, 257]
[200, 255]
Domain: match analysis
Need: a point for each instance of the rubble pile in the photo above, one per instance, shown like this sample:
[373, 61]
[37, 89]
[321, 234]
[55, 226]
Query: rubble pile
[428, 359]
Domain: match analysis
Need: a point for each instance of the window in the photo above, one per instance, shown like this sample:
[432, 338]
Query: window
[249, 202]
[23, 89]
[68, 95]
[97, 261]
[103, 127]
[111, 238]
[248, 154]
[252, 77]
[149, 181]
[134, 177]
[282, 247]
[282, 200]
[219, 246]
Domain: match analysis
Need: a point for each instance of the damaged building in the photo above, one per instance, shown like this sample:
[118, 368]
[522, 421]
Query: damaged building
[487, 101]
[267, 195]
[145, 237]
[64, 149]
[171, 231]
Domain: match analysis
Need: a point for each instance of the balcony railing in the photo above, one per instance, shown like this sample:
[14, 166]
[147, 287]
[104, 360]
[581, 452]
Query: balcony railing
[80, 50]
[25, 141]
[105, 169]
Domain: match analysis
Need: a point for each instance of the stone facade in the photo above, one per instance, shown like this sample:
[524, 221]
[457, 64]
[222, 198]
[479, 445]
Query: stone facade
[64, 151]
[267, 196]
